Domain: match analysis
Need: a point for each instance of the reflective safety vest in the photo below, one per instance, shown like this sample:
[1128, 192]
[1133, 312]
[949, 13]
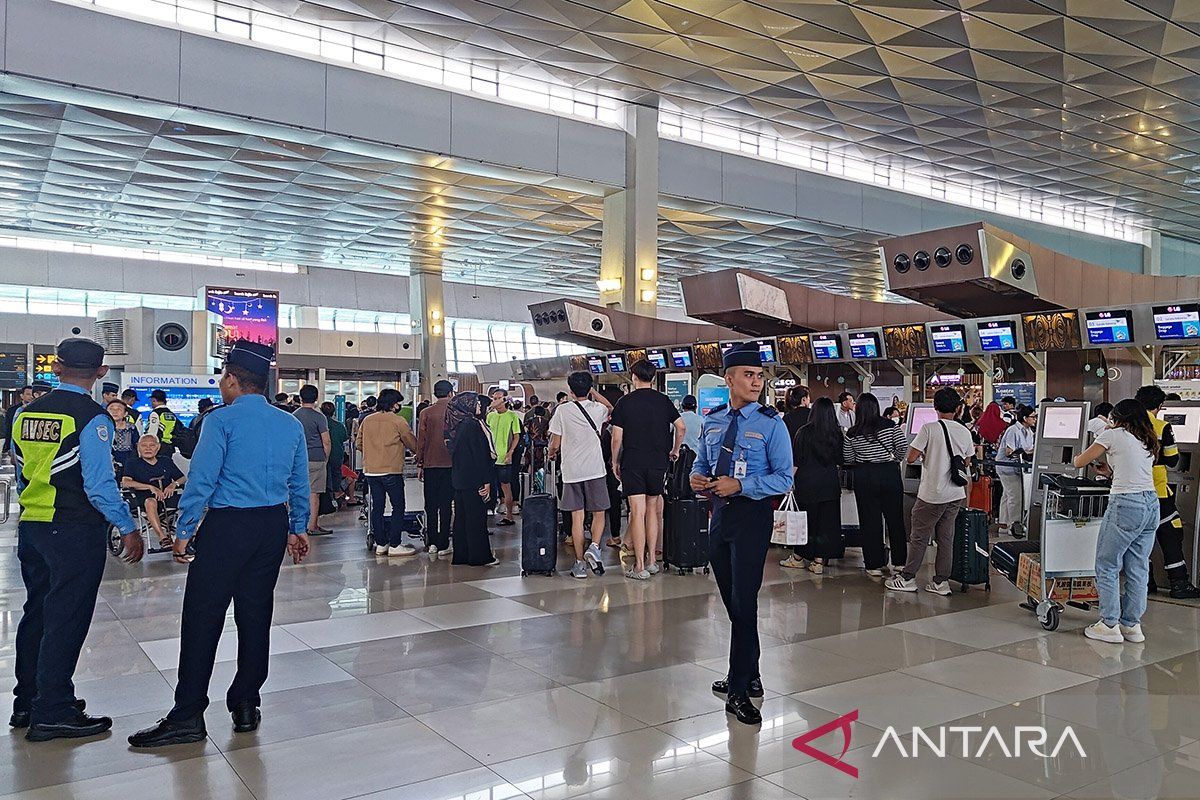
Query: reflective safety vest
[46, 445]
[166, 424]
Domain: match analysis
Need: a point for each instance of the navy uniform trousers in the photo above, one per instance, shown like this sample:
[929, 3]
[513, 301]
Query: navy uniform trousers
[238, 555]
[61, 566]
[739, 539]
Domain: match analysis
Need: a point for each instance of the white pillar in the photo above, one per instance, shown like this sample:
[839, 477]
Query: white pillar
[428, 313]
[307, 317]
[629, 245]
[1152, 253]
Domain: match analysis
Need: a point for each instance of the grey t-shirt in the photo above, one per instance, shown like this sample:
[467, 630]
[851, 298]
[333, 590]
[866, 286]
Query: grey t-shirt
[315, 423]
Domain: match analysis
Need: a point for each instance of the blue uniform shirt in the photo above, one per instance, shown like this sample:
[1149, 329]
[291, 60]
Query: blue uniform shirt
[250, 455]
[762, 440]
[96, 462]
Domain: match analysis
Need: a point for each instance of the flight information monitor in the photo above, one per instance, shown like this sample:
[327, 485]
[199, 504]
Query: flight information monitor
[1177, 322]
[766, 349]
[681, 357]
[1109, 327]
[1061, 422]
[616, 362]
[657, 356]
[595, 365]
[826, 346]
[998, 336]
[948, 338]
[864, 345]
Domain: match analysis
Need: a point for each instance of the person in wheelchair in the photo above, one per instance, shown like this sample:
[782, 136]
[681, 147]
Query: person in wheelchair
[155, 484]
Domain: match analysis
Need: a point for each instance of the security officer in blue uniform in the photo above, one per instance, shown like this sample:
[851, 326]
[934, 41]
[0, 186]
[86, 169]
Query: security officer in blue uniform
[250, 472]
[745, 460]
[62, 447]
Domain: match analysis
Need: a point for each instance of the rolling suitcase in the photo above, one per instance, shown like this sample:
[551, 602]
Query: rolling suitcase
[1006, 556]
[971, 549]
[980, 495]
[539, 534]
[685, 534]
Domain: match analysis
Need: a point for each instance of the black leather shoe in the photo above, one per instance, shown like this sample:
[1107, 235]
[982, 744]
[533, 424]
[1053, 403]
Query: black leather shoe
[80, 726]
[1183, 590]
[168, 733]
[722, 687]
[743, 709]
[246, 718]
[20, 719]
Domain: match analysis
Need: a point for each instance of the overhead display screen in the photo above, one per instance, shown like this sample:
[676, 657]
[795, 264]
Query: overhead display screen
[657, 356]
[616, 362]
[864, 345]
[1109, 327]
[948, 338]
[826, 346]
[681, 357]
[998, 336]
[1177, 322]
[766, 349]
[14, 366]
[595, 365]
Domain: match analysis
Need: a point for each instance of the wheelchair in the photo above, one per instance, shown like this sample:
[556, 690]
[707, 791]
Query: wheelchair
[167, 515]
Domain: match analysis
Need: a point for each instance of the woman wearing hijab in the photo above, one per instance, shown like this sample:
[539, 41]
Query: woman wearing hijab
[471, 458]
[991, 425]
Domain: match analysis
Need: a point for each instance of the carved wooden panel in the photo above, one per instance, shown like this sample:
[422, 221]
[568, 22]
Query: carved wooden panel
[579, 364]
[906, 341]
[636, 354]
[794, 350]
[707, 356]
[1051, 330]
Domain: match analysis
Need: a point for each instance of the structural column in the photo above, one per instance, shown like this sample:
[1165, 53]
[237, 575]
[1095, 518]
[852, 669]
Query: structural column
[629, 245]
[428, 314]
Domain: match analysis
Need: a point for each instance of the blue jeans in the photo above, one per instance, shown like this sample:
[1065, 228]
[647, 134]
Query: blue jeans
[1124, 545]
[382, 487]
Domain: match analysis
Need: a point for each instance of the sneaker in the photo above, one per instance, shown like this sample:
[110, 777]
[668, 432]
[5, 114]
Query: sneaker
[495, 562]
[793, 562]
[381, 549]
[897, 569]
[433, 551]
[579, 570]
[653, 569]
[875, 573]
[1103, 633]
[900, 584]
[401, 551]
[816, 568]
[1133, 633]
[593, 557]
[939, 587]
[633, 574]
[505, 522]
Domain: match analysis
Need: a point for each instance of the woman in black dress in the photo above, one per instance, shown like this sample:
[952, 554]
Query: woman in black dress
[472, 460]
[817, 451]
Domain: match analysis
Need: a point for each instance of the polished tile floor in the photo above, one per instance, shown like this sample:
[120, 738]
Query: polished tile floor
[416, 680]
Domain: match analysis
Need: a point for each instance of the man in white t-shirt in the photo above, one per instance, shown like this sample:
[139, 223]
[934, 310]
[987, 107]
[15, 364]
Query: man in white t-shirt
[575, 432]
[939, 499]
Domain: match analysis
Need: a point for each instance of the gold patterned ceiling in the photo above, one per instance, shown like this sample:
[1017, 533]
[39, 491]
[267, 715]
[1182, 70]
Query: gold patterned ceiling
[1090, 102]
[74, 171]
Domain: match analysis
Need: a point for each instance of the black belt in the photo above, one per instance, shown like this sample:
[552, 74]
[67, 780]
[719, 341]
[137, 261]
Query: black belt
[252, 508]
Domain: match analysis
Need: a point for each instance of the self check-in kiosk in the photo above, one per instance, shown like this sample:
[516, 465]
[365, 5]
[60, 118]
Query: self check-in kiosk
[919, 414]
[1061, 435]
[1183, 479]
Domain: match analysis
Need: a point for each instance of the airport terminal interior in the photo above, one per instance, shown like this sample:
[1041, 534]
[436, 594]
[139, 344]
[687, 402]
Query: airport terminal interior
[883, 206]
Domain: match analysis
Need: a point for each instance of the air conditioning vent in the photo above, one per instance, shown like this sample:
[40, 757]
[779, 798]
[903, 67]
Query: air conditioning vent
[110, 333]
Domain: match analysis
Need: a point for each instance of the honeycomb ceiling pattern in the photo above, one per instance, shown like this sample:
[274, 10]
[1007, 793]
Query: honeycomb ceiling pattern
[76, 171]
[1092, 102]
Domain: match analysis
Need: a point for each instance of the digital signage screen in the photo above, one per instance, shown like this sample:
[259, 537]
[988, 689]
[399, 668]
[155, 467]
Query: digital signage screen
[998, 336]
[864, 345]
[826, 346]
[657, 356]
[14, 366]
[1109, 327]
[616, 362]
[250, 314]
[184, 392]
[595, 365]
[43, 365]
[948, 339]
[681, 357]
[766, 349]
[1177, 322]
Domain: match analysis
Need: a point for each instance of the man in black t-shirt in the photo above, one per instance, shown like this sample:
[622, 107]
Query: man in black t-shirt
[647, 433]
[155, 483]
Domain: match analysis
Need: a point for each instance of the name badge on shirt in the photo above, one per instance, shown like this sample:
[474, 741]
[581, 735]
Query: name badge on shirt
[754, 435]
[739, 468]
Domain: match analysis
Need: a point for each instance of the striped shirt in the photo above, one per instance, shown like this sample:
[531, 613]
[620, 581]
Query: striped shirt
[889, 445]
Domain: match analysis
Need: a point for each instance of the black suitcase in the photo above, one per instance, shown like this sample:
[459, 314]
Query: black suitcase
[971, 549]
[685, 534]
[539, 534]
[679, 475]
[1006, 556]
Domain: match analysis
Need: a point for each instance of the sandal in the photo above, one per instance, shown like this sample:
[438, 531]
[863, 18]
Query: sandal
[166, 543]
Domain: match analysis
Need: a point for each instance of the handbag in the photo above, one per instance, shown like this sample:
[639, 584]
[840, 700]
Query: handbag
[960, 473]
[790, 524]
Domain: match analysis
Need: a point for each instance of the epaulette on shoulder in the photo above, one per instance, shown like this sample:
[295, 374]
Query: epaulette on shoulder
[721, 407]
[768, 410]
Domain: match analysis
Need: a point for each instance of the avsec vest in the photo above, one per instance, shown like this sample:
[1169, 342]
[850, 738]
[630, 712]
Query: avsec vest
[46, 442]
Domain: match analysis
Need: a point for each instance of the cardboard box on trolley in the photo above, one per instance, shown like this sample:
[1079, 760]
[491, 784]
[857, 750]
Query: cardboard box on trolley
[1029, 577]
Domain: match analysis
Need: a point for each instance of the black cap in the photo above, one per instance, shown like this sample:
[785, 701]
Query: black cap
[744, 354]
[251, 356]
[109, 388]
[80, 353]
[41, 386]
[443, 388]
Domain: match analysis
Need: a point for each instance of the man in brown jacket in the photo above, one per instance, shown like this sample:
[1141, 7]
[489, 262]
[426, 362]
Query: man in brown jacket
[433, 463]
[382, 438]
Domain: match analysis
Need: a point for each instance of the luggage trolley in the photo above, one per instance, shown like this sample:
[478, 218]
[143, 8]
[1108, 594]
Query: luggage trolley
[1072, 510]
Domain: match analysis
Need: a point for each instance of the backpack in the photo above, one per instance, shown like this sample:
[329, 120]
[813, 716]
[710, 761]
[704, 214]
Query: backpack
[184, 439]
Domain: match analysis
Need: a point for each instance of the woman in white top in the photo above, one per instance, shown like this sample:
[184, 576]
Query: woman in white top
[1127, 530]
[1099, 420]
[1016, 444]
